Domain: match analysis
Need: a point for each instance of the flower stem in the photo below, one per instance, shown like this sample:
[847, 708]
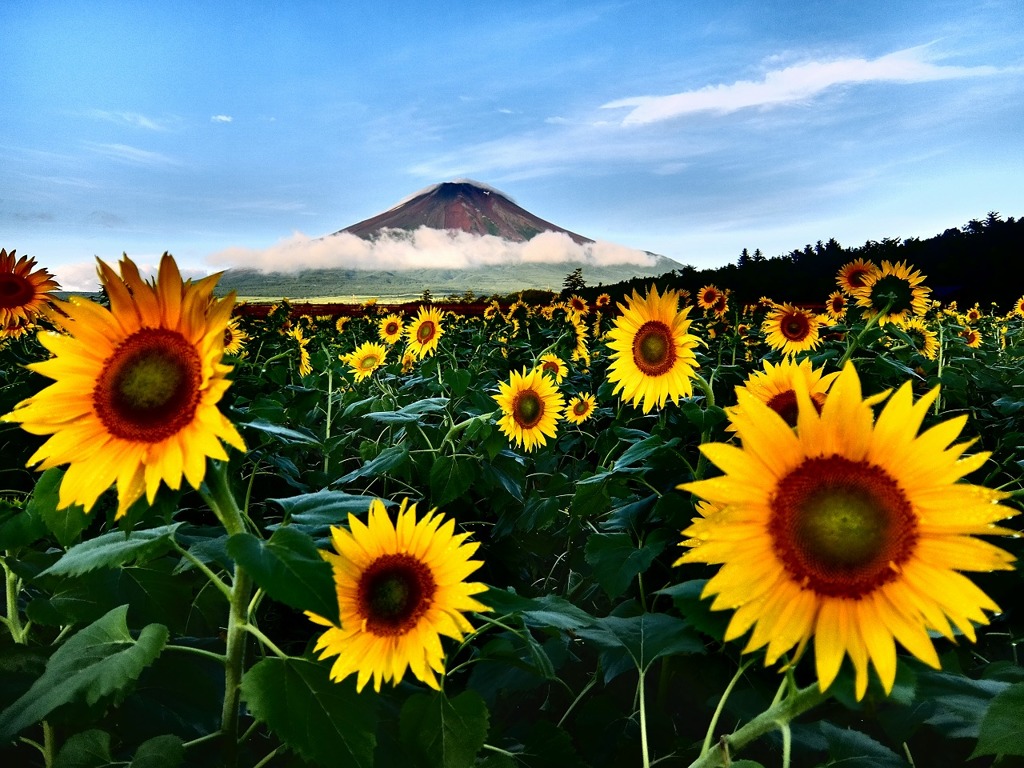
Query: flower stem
[778, 716]
[222, 502]
[644, 753]
[13, 619]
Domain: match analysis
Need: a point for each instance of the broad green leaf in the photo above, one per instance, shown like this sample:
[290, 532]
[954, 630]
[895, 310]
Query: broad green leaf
[166, 751]
[450, 477]
[99, 660]
[322, 721]
[410, 413]
[542, 612]
[284, 434]
[112, 549]
[457, 380]
[443, 732]
[645, 638]
[65, 524]
[697, 611]
[19, 526]
[1001, 729]
[959, 702]
[617, 561]
[387, 460]
[853, 749]
[640, 452]
[88, 749]
[290, 569]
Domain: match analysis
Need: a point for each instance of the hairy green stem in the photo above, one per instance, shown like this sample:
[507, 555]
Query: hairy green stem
[13, 620]
[713, 725]
[776, 717]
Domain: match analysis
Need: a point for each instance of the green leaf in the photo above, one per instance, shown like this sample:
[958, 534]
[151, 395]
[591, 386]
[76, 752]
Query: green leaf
[113, 549]
[853, 749]
[640, 452]
[165, 751]
[99, 660]
[542, 612]
[65, 524]
[646, 637]
[449, 479]
[616, 561]
[387, 460]
[88, 749]
[290, 569]
[19, 526]
[1001, 732]
[285, 435]
[443, 732]
[325, 722]
[410, 413]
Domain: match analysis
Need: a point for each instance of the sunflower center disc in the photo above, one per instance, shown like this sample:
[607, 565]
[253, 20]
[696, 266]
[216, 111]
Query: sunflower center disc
[580, 408]
[895, 288]
[391, 329]
[425, 332]
[653, 349]
[369, 363]
[148, 389]
[394, 592]
[528, 408]
[841, 527]
[785, 405]
[795, 327]
[14, 291]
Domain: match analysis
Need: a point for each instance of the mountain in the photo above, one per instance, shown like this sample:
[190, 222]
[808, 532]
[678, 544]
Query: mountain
[463, 205]
[450, 238]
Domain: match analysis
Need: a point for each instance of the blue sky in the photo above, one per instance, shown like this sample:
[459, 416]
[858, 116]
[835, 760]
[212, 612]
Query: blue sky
[693, 129]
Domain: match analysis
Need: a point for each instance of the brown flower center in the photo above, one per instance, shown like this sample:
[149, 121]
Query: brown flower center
[426, 331]
[527, 409]
[550, 366]
[841, 528]
[149, 388]
[654, 349]
[15, 291]
[391, 328]
[795, 326]
[369, 362]
[393, 593]
[785, 404]
[581, 408]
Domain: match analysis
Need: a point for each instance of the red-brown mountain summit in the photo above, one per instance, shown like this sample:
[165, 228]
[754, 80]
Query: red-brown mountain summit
[461, 205]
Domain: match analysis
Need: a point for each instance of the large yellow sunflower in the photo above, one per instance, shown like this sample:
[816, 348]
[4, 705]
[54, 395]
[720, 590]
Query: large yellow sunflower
[776, 387]
[653, 358]
[366, 359]
[424, 332]
[23, 293]
[848, 529]
[399, 587]
[894, 293]
[389, 328]
[791, 329]
[136, 387]
[853, 275]
[531, 407]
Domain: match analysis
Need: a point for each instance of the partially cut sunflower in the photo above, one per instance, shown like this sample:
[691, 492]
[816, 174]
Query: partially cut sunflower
[136, 387]
[531, 408]
[653, 356]
[424, 332]
[849, 529]
[854, 274]
[400, 587]
[776, 386]
[554, 365]
[791, 329]
[24, 293]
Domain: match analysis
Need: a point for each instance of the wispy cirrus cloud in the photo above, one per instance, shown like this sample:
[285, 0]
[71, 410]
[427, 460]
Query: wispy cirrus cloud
[132, 118]
[221, 118]
[794, 84]
[129, 154]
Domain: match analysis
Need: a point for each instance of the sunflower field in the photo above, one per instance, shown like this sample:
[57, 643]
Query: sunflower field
[648, 529]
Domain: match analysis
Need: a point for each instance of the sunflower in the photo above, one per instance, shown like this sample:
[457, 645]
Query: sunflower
[721, 305]
[853, 275]
[580, 408]
[835, 307]
[973, 314]
[553, 364]
[389, 329]
[707, 296]
[1018, 307]
[531, 407]
[776, 387]
[971, 337]
[234, 338]
[894, 293]
[424, 332]
[408, 362]
[653, 352]
[925, 340]
[15, 329]
[136, 387]
[602, 300]
[848, 529]
[579, 305]
[492, 310]
[578, 331]
[399, 588]
[791, 329]
[340, 323]
[366, 359]
[305, 364]
[23, 293]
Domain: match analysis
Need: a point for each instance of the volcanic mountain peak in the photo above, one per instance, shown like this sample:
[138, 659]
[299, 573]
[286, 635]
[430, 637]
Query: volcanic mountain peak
[463, 205]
